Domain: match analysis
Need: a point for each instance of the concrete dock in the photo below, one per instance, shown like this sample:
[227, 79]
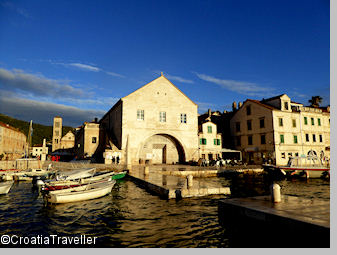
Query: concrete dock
[294, 222]
[166, 185]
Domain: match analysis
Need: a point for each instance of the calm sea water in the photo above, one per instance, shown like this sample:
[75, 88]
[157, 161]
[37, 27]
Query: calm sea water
[132, 217]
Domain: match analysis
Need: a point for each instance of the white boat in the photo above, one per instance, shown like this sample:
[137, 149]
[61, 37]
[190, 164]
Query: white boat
[76, 174]
[5, 187]
[308, 167]
[91, 192]
[26, 175]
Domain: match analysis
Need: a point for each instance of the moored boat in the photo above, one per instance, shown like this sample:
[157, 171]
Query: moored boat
[90, 192]
[5, 187]
[308, 167]
[118, 175]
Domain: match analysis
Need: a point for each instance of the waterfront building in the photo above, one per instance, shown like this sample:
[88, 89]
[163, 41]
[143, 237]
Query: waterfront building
[210, 141]
[38, 150]
[155, 124]
[275, 129]
[13, 142]
[87, 139]
[59, 142]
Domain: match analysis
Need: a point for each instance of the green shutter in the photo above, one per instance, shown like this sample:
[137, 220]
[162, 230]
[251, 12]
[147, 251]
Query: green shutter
[200, 140]
[319, 121]
[218, 141]
[282, 138]
[214, 141]
[305, 121]
[295, 138]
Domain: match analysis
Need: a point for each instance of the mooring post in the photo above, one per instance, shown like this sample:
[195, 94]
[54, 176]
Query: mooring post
[275, 192]
[189, 180]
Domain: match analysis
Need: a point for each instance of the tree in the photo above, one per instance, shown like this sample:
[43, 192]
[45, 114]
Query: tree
[315, 101]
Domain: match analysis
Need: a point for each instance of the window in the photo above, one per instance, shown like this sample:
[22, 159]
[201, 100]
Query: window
[296, 154]
[314, 138]
[140, 114]
[295, 138]
[281, 138]
[94, 139]
[57, 133]
[209, 129]
[162, 116]
[248, 110]
[312, 121]
[183, 118]
[286, 105]
[307, 137]
[261, 123]
[319, 121]
[216, 141]
[290, 154]
[320, 138]
[294, 123]
[57, 124]
[305, 121]
[283, 155]
[280, 122]
[237, 126]
[250, 140]
[238, 140]
[249, 124]
[203, 141]
[263, 139]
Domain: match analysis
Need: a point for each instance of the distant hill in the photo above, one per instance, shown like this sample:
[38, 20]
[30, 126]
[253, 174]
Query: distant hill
[39, 131]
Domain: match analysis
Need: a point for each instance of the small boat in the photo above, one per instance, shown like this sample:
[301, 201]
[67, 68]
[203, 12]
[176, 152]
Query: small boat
[117, 175]
[308, 167]
[5, 187]
[76, 174]
[90, 192]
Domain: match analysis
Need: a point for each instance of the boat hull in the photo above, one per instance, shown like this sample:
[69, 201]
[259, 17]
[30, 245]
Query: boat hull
[5, 187]
[77, 196]
[117, 176]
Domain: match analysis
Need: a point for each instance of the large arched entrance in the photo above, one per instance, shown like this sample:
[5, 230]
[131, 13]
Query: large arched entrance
[161, 149]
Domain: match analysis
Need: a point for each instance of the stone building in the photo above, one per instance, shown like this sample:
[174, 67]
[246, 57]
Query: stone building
[87, 139]
[155, 124]
[277, 128]
[59, 142]
[13, 142]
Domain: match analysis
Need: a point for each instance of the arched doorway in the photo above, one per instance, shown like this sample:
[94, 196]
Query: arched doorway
[312, 153]
[161, 149]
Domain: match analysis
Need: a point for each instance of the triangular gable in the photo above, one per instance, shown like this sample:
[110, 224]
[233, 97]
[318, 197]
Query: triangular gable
[160, 77]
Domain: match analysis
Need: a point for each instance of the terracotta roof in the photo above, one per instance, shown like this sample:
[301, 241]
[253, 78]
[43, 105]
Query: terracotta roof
[262, 104]
[9, 127]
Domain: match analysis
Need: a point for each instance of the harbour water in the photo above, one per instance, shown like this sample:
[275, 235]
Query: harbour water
[132, 217]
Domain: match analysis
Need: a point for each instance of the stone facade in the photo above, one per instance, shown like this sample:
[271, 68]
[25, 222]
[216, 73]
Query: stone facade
[87, 140]
[276, 129]
[155, 124]
[209, 141]
[12, 142]
[59, 142]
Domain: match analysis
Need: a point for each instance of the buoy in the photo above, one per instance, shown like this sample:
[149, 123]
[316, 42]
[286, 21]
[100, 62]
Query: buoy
[275, 192]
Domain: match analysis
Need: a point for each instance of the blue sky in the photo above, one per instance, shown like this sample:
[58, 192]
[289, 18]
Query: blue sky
[77, 58]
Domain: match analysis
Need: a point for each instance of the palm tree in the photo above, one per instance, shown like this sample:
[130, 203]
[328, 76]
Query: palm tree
[315, 101]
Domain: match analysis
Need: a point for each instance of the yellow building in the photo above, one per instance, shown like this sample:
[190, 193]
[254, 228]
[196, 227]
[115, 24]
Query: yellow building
[12, 142]
[87, 140]
[59, 142]
[155, 124]
[277, 128]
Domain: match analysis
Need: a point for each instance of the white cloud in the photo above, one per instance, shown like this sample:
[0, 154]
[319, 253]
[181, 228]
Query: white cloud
[242, 87]
[115, 74]
[18, 80]
[85, 67]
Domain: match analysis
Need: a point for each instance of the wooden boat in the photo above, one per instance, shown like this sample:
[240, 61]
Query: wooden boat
[58, 185]
[80, 187]
[117, 176]
[308, 167]
[76, 174]
[26, 175]
[5, 187]
[91, 192]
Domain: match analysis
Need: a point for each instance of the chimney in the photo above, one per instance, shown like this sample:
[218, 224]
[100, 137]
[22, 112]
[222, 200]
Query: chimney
[240, 105]
[234, 106]
[209, 113]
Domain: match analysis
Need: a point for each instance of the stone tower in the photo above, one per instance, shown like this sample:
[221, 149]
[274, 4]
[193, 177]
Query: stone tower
[57, 133]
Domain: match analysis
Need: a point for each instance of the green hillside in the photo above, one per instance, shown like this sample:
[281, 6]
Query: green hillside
[39, 131]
